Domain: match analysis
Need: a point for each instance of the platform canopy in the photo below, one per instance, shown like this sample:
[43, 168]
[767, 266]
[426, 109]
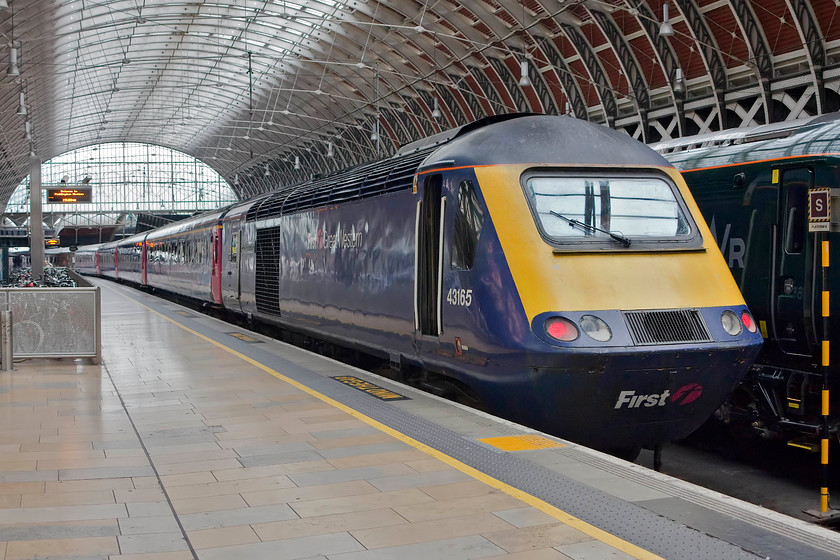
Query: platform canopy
[270, 92]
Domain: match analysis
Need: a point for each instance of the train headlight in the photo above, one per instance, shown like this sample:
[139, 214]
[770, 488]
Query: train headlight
[749, 322]
[730, 323]
[595, 328]
[561, 329]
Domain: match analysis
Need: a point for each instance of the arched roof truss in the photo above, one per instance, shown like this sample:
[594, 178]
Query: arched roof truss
[273, 91]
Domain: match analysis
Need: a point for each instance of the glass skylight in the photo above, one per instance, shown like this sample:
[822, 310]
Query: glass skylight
[130, 177]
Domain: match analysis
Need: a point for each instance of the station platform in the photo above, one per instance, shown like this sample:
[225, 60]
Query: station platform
[197, 440]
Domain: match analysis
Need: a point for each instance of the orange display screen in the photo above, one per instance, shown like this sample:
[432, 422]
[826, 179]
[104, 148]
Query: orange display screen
[70, 195]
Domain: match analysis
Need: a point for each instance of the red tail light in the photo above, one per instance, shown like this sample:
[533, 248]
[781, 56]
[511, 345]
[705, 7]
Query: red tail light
[561, 329]
[748, 321]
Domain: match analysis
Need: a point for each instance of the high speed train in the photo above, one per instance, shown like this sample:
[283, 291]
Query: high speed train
[555, 270]
[753, 186]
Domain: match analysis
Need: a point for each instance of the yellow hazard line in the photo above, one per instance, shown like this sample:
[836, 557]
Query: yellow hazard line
[545, 507]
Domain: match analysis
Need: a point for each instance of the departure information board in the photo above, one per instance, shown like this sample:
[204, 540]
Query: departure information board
[70, 195]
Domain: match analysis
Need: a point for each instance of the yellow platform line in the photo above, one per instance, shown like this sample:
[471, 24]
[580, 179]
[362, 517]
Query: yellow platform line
[582, 526]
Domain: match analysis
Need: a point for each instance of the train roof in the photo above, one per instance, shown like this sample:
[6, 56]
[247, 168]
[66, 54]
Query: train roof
[500, 139]
[187, 224]
[802, 137]
[544, 139]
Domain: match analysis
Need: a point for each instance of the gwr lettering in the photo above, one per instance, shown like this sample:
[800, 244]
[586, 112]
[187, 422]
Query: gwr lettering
[632, 400]
[733, 248]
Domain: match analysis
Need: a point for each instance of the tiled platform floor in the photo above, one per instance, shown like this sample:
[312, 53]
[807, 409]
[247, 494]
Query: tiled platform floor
[175, 449]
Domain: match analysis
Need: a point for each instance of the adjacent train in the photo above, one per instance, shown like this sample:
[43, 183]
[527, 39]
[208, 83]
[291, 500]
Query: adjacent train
[555, 270]
[752, 186]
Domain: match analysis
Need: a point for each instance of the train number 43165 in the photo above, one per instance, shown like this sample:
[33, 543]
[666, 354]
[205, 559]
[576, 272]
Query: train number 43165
[459, 297]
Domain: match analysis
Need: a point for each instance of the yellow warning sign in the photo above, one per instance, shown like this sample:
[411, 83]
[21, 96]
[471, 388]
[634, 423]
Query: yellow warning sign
[521, 443]
[371, 389]
[243, 337]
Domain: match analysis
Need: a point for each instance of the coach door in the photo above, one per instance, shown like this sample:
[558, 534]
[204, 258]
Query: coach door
[230, 254]
[428, 258]
[793, 292]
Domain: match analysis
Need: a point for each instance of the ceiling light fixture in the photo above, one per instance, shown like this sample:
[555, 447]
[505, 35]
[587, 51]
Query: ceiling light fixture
[13, 61]
[330, 152]
[679, 83]
[4, 5]
[297, 162]
[21, 110]
[524, 80]
[665, 30]
[27, 130]
[436, 112]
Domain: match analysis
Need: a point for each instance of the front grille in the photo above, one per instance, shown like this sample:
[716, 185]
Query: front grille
[667, 327]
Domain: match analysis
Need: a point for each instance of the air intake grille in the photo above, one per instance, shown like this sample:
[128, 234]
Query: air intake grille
[667, 327]
[268, 271]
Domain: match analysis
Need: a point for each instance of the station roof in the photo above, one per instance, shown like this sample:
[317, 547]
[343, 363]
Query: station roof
[270, 92]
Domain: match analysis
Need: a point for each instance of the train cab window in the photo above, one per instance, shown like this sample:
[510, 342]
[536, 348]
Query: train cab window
[609, 211]
[469, 219]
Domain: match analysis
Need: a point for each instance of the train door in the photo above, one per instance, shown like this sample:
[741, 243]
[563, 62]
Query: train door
[794, 265]
[144, 280]
[429, 258]
[230, 265]
[216, 263]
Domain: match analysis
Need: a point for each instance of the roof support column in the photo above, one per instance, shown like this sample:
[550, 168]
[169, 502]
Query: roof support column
[36, 219]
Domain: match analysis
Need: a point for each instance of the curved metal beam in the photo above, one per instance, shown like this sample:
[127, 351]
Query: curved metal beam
[814, 43]
[510, 83]
[711, 55]
[762, 62]
[629, 64]
[567, 80]
[593, 66]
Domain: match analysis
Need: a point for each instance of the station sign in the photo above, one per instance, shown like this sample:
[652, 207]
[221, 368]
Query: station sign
[51, 242]
[70, 195]
[819, 209]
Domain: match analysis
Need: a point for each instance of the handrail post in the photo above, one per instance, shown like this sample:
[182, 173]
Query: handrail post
[6, 341]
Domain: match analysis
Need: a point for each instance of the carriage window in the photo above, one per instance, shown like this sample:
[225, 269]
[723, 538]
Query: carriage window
[234, 242]
[606, 208]
[467, 227]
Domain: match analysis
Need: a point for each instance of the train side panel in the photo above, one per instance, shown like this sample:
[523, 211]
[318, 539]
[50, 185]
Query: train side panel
[85, 260]
[130, 252]
[179, 257]
[344, 271]
[108, 260]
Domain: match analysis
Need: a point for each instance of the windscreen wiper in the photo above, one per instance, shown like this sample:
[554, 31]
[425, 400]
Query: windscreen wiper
[587, 227]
